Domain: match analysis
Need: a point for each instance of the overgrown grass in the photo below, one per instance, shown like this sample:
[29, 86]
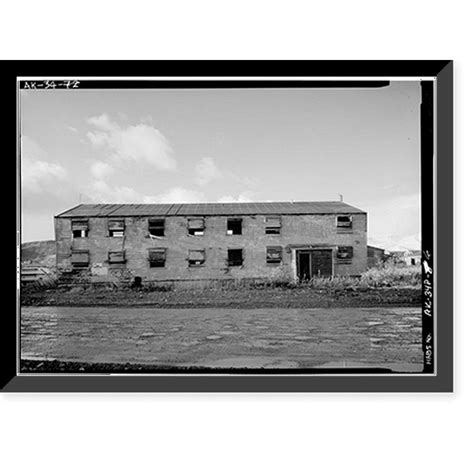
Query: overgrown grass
[385, 275]
[163, 287]
[390, 274]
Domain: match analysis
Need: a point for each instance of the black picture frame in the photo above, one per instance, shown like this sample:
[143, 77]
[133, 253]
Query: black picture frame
[437, 227]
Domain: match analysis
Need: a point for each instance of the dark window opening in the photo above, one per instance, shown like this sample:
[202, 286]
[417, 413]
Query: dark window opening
[235, 257]
[196, 258]
[344, 254]
[80, 228]
[157, 257]
[80, 233]
[80, 258]
[234, 226]
[116, 227]
[344, 222]
[196, 226]
[413, 261]
[272, 225]
[117, 257]
[156, 227]
[274, 254]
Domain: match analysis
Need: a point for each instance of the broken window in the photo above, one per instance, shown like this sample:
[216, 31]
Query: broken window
[196, 258]
[274, 254]
[234, 226]
[156, 227]
[157, 257]
[117, 257]
[272, 225]
[344, 254]
[235, 257]
[196, 226]
[80, 228]
[80, 258]
[344, 222]
[116, 227]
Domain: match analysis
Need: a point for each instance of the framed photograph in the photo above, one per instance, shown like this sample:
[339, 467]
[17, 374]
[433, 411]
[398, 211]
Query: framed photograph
[231, 226]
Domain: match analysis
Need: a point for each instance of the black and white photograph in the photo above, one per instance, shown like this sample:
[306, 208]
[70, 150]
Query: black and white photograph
[262, 229]
[242, 237]
[196, 227]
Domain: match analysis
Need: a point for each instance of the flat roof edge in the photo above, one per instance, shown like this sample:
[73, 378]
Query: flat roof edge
[211, 209]
[63, 216]
[67, 210]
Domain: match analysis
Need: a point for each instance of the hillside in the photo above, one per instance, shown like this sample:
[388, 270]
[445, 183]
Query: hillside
[41, 253]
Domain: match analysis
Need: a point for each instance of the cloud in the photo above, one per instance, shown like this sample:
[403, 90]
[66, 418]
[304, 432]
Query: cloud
[37, 174]
[71, 129]
[246, 196]
[141, 143]
[100, 170]
[102, 122]
[245, 181]
[394, 221]
[397, 242]
[178, 195]
[206, 171]
[102, 192]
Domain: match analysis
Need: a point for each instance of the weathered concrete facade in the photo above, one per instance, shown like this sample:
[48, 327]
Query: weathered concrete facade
[264, 255]
[375, 256]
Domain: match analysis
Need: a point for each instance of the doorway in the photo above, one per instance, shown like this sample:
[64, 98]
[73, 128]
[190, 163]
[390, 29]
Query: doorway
[314, 263]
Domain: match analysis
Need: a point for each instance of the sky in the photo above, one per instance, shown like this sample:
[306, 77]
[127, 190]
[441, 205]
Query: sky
[147, 146]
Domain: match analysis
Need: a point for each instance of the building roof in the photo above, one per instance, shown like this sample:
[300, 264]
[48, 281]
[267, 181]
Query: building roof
[375, 248]
[210, 209]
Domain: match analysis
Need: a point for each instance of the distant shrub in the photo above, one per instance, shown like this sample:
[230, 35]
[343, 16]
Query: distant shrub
[384, 275]
[392, 274]
[334, 283]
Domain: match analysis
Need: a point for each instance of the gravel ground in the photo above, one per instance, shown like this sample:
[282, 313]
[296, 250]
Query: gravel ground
[222, 338]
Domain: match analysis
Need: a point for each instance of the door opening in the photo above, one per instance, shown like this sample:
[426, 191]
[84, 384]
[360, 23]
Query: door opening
[314, 263]
[304, 265]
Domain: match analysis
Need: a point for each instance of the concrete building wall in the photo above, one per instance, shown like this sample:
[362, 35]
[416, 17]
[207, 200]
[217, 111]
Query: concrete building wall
[297, 232]
[375, 256]
[414, 259]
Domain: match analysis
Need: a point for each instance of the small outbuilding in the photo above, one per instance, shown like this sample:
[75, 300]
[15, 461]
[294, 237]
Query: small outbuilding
[375, 256]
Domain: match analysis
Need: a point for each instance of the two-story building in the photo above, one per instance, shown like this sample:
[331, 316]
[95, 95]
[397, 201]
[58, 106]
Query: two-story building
[206, 241]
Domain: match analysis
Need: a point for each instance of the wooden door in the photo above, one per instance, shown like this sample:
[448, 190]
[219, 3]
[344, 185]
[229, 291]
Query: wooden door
[321, 263]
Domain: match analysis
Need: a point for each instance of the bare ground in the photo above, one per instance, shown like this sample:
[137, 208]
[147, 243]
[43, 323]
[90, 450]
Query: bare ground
[265, 297]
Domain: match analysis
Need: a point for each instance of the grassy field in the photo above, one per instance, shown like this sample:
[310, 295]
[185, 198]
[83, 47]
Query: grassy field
[390, 285]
